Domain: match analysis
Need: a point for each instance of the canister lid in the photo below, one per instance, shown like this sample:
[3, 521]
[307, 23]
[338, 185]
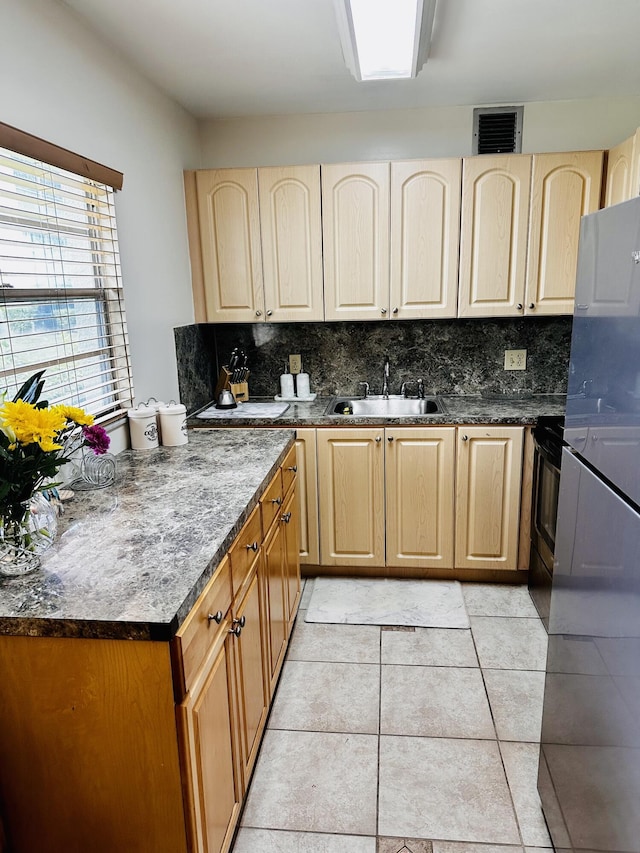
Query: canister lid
[141, 411]
[172, 408]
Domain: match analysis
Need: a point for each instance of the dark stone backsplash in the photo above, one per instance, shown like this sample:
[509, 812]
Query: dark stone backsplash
[452, 356]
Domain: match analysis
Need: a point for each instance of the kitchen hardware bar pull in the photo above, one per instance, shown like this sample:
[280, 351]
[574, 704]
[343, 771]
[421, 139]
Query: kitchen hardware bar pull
[215, 617]
[252, 547]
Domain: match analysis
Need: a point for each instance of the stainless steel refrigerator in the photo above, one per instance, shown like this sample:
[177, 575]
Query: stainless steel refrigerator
[589, 772]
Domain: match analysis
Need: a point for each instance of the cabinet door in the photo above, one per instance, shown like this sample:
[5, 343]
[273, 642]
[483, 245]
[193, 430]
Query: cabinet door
[425, 235]
[493, 239]
[291, 231]
[635, 166]
[252, 680]
[351, 492]
[564, 187]
[274, 555]
[307, 496]
[488, 497]
[355, 227]
[207, 725]
[619, 173]
[420, 470]
[290, 520]
[230, 242]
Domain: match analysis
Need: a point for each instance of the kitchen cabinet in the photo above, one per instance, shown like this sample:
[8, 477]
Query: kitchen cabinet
[488, 478]
[355, 227]
[307, 493]
[623, 171]
[255, 240]
[564, 187]
[493, 239]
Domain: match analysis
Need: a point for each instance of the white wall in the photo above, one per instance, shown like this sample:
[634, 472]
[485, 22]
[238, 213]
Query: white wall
[61, 83]
[397, 134]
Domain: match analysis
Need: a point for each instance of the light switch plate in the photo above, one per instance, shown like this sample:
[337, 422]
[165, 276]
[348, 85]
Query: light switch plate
[515, 359]
[295, 364]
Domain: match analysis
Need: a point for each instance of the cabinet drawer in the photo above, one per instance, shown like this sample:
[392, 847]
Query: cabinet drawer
[289, 470]
[199, 631]
[244, 549]
[271, 502]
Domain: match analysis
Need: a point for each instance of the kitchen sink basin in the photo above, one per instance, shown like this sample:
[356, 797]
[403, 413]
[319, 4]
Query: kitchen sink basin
[395, 406]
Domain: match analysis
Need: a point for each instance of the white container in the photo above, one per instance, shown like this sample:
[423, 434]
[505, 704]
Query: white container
[173, 424]
[143, 428]
[302, 385]
[157, 405]
[286, 385]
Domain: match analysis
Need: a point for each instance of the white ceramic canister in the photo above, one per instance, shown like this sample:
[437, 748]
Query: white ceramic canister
[157, 405]
[143, 427]
[302, 385]
[173, 424]
[286, 385]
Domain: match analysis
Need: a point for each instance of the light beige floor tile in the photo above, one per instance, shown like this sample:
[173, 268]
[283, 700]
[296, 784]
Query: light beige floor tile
[461, 847]
[443, 788]
[327, 697]
[434, 702]
[314, 782]
[510, 643]
[429, 647]
[516, 696]
[339, 643]
[521, 765]
[493, 599]
[275, 841]
[537, 850]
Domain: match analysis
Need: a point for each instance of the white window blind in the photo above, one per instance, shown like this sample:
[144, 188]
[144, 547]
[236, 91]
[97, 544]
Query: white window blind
[61, 301]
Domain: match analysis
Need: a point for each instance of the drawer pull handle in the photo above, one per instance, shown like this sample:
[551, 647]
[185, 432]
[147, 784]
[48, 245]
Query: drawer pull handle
[215, 617]
[252, 547]
[276, 501]
[293, 468]
[286, 517]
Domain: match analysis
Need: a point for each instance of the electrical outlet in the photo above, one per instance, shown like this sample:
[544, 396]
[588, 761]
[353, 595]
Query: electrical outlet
[515, 359]
[295, 364]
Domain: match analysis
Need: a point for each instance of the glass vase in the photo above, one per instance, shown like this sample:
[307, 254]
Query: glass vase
[26, 532]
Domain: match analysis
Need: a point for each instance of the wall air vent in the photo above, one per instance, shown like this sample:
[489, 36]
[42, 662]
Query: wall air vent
[497, 130]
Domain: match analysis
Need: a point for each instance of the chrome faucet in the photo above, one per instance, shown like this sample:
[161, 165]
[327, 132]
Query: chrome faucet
[385, 380]
[403, 390]
[366, 388]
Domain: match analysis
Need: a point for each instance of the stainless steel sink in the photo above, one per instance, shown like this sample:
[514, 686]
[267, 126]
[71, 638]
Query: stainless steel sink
[395, 406]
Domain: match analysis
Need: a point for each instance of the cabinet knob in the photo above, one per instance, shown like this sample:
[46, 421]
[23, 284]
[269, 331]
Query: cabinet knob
[519, 306]
[242, 621]
[276, 501]
[378, 439]
[383, 310]
[465, 438]
[215, 617]
[395, 310]
[389, 438]
[286, 517]
[582, 307]
[236, 631]
[293, 468]
[532, 305]
[252, 547]
[258, 313]
[269, 313]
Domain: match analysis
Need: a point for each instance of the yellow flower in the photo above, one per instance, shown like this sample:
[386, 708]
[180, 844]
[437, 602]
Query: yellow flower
[31, 425]
[78, 416]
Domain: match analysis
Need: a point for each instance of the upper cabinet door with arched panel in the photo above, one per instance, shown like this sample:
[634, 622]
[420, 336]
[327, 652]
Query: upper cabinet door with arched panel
[564, 188]
[230, 243]
[425, 234]
[619, 173]
[493, 240]
[291, 228]
[355, 227]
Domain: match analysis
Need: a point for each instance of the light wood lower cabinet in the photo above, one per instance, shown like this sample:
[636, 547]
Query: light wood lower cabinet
[307, 491]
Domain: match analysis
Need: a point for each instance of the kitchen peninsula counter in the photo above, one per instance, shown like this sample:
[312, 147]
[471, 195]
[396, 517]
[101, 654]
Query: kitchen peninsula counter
[130, 560]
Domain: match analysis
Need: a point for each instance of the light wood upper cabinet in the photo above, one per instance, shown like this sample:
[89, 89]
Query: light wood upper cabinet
[489, 470]
[229, 231]
[291, 243]
[493, 240]
[307, 495]
[564, 188]
[355, 226]
[425, 233]
[620, 168]
[351, 497]
[420, 473]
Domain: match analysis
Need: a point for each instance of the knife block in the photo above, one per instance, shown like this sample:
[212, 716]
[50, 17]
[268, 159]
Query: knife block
[240, 390]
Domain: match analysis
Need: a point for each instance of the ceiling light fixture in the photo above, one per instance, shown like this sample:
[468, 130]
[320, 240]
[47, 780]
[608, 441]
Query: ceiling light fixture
[385, 39]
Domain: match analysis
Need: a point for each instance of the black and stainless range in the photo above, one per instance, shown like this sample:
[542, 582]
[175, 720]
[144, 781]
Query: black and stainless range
[548, 435]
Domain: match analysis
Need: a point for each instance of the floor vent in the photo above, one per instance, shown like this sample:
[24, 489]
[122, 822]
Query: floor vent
[497, 130]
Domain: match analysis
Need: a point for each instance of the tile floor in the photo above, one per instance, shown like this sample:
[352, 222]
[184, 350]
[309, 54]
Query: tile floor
[425, 736]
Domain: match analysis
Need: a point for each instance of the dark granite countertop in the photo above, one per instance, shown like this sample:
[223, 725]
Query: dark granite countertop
[133, 558]
[459, 409]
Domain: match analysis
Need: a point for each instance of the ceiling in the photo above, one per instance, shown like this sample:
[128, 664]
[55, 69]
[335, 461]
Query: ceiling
[223, 58]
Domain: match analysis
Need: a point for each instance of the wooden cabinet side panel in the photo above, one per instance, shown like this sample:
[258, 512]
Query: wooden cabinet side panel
[85, 727]
[276, 597]
[291, 516]
[355, 225]
[351, 496]
[493, 239]
[425, 236]
[419, 475]
[195, 250]
[291, 229]
[565, 187]
[619, 183]
[230, 243]
[635, 166]
[307, 496]
[488, 497]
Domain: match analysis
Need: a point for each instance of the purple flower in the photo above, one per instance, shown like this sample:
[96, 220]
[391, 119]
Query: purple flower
[96, 438]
